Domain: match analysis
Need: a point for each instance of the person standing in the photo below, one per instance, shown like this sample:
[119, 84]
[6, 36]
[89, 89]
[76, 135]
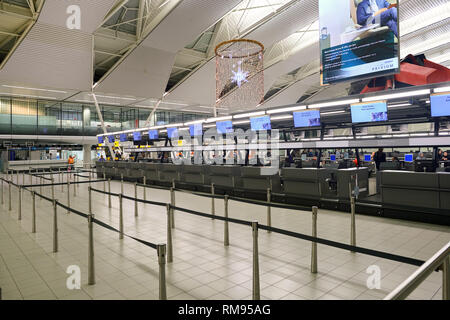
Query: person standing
[377, 11]
[379, 157]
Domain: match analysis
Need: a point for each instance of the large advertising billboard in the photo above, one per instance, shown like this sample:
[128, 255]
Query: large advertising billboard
[358, 39]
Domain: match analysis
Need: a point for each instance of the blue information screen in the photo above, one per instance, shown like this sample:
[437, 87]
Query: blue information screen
[196, 129]
[260, 123]
[153, 134]
[369, 112]
[100, 139]
[111, 139]
[224, 127]
[440, 105]
[307, 118]
[172, 132]
[409, 158]
[123, 137]
[137, 136]
[333, 157]
[367, 157]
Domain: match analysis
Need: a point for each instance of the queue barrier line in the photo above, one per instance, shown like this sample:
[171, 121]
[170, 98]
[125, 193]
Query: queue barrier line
[326, 242]
[98, 222]
[59, 184]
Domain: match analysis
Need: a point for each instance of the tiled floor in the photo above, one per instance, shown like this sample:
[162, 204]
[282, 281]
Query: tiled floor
[203, 268]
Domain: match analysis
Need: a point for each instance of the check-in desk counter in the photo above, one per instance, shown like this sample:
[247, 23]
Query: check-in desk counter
[304, 182]
[227, 177]
[345, 177]
[100, 168]
[122, 168]
[260, 179]
[151, 171]
[110, 169]
[135, 171]
[196, 174]
[170, 172]
[415, 189]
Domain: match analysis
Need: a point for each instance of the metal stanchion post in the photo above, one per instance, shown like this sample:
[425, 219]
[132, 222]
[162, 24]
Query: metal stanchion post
[31, 177]
[120, 216]
[135, 200]
[90, 178]
[213, 207]
[17, 177]
[161, 250]
[226, 235]
[446, 279]
[33, 217]
[19, 212]
[90, 200]
[172, 202]
[91, 266]
[314, 244]
[23, 177]
[169, 236]
[9, 195]
[109, 192]
[3, 200]
[269, 209]
[104, 182]
[74, 186]
[68, 194]
[353, 224]
[145, 188]
[121, 183]
[40, 185]
[55, 226]
[173, 183]
[256, 288]
[53, 188]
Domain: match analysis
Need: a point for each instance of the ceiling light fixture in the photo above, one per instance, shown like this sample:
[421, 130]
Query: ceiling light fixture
[218, 119]
[248, 115]
[286, 109]
[441, 89]
[333, 103]
[397, 95]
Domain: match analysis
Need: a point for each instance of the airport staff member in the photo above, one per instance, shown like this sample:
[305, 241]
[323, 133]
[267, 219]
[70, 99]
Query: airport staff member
[379, 157]
[421, 156]
[445, 156]
[368, 11]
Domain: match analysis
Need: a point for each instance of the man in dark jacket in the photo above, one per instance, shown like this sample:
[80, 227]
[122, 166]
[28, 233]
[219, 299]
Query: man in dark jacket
[379, 157]
[377, 11]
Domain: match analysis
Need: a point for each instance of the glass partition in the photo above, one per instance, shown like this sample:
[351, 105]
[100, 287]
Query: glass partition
[49, 113]
[5, 115]
[24, 116]
[71, 119]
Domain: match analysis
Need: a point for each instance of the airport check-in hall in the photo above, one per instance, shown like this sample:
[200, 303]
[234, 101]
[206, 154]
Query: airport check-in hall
[240, 151]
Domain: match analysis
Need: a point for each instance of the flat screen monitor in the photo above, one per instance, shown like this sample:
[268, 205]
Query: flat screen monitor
[123, 137]
[440, 105]
[307, 118]
[409, 157]
[260, 123]
[333, 157]
[137, 136]
[172, 132]
[369, 112]
[196, 129]
[111, 139]
[153, 134]
[224, 127]
[100, 139]
[367, 158]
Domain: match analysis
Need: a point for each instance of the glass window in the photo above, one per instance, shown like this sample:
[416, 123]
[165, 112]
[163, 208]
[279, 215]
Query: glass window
[112, 116]
[49, 118]
[71, 119]
[5, 115]
[24, 116]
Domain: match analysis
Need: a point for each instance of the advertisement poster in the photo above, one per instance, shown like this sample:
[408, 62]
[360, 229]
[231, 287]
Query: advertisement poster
[358, 39]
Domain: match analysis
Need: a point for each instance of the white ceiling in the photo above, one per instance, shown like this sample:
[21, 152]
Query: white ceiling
[54, 58]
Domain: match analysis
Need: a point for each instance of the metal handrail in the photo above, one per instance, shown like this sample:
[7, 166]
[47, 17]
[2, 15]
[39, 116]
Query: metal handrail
[440, 260]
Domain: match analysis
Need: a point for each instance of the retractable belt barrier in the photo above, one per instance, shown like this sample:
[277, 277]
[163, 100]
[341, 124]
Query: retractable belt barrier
[59, 184]
[326, 242]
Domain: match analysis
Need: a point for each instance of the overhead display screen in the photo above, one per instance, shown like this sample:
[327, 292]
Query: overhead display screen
[196, 129]
[358, 39]
[440, 105]
[367, 157]
[260, 123]
[153, 134]
[409, 157]
[111, 139]
[333, 157]
[172, 132]
[100, 139]
[307, 118]
[224, 127]
[369, 112]
[123, 137]
[137, 136]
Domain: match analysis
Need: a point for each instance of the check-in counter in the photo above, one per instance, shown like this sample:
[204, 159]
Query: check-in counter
[196, 174]
[170, 172]
[151, 171]
[444, 190]
[351, 176]
[228, 177]
[135, 171]
[25, 165]
[411, 189]
[260, 179]
[304, 182]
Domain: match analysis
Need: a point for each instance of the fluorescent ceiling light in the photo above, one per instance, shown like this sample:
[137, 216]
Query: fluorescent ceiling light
[366, 137]
[399, 105]
[177, 104]
[173, 125]
[194, 122]
[209, 126]
[286, 109]
[241, 122]
[163, 131]
[282, 118]
[218, 119]
[332, 112]
[88, 101]
[111, 97]
[333, 103]
[397, 95]
[248, 115]
[27, 96]
[157, 127]
[37, 89]
[442, 89]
